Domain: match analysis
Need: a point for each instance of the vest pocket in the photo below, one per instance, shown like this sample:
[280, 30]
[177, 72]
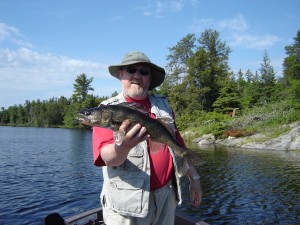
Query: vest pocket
[127, 195]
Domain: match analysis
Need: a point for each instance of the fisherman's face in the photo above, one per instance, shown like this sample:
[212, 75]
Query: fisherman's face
[135, 80]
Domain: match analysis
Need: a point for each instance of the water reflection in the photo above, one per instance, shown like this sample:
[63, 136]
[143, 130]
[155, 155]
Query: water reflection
[248, 187]
[46, 170]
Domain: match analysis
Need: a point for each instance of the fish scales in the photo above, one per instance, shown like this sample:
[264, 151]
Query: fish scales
[158, 132]
[112, 116]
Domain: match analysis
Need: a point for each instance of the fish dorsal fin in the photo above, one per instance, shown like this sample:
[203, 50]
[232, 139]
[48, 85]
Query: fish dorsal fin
[135, 106]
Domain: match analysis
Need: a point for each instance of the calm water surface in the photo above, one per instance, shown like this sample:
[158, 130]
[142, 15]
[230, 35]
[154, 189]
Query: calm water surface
[45, 170]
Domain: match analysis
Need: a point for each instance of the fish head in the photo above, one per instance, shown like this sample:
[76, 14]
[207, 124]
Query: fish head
[89, 117]
[95, 117]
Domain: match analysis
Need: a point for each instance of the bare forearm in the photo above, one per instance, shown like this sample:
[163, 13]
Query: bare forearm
[114, 155]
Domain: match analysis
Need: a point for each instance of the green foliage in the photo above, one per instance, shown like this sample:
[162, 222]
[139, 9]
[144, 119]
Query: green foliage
[55, 112]
[82, 86]
[208, 70]
[201, 122]
[271, 115]
[201, 90]
[80, 100]
[228, 99]
[291, 68]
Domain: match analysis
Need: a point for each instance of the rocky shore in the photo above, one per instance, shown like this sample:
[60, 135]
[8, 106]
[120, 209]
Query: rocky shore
[287, 141]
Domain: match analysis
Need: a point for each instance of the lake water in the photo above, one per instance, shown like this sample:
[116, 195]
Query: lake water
[46, 170]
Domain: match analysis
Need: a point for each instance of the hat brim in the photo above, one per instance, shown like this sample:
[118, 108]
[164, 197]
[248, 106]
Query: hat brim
[157, 73]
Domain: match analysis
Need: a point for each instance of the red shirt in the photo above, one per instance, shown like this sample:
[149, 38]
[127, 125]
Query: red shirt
[161, 163]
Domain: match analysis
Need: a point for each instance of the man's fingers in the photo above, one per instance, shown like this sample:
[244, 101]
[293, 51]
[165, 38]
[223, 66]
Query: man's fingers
[124, 126]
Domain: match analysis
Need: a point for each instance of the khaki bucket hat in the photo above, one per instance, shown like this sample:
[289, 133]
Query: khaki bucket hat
[157, 73]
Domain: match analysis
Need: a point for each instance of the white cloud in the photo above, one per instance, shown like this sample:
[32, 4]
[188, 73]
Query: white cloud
[159, 9]
[237, 24]
[26, 59]
[29, 75]
[251, 41]
[13, 35]
[26, 74]
[199, 25]
[236, 32]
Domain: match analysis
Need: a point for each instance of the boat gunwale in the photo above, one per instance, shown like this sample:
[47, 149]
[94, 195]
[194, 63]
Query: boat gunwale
[180, 219]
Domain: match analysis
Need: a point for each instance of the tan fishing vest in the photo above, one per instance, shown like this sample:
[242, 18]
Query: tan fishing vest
[126, 188]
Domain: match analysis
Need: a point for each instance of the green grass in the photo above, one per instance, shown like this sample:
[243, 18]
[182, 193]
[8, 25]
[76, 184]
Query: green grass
[269, 120]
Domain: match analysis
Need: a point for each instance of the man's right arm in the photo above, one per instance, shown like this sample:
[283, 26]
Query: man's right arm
[115, 155]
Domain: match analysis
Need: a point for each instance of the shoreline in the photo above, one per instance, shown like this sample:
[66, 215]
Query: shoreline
[289, 141]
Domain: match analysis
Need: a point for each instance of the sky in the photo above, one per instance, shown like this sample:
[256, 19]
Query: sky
[46, 44]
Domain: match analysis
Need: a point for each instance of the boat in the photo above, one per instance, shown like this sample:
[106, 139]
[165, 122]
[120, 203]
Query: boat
[95, 217]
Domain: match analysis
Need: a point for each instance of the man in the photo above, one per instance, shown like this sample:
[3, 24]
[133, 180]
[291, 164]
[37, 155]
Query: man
[141, 178]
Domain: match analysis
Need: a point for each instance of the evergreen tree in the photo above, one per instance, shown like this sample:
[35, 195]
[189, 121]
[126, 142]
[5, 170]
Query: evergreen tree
[267, 84]
[229, 99]
[291, 68]
[241, 83]
[177, 66]
[4, 117]
[82, 86]
[249, 75]
[80, 100]
[208, 70]
[179, 54]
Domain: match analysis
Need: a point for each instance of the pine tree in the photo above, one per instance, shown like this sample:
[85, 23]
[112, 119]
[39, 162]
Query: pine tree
[80, 99]
[267, 80]
[82, 86]
[208, 70]
[229, 99]
[291, 68]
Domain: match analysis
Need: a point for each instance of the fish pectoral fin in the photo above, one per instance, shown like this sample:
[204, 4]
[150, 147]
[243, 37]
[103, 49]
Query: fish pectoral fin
[119, 137]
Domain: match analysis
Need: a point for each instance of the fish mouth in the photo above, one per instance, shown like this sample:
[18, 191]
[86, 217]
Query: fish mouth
[83, 118]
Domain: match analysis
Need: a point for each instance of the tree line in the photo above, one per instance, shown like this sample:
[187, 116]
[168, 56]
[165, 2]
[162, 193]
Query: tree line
[198, 84]
[55, 112]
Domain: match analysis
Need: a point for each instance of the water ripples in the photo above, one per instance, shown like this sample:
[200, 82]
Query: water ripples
[45, 171]
[51, 170]
[252, 187]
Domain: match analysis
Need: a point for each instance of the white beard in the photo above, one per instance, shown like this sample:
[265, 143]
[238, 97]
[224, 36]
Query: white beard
[136, 92]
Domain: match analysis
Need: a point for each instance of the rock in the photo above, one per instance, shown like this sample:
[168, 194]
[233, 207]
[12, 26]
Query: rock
[287, 141]
[188, 134]
[295, 145]
[207, 139]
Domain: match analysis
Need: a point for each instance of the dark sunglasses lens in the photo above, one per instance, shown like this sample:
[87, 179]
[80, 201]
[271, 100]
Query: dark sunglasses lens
[131, 70]
[144, 72]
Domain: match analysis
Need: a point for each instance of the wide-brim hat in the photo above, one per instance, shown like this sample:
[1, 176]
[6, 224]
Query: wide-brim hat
[157, 73]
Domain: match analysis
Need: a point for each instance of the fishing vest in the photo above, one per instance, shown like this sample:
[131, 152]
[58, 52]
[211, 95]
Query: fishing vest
[126, 188]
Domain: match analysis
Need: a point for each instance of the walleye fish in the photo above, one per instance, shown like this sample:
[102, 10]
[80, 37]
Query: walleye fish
[112, 116]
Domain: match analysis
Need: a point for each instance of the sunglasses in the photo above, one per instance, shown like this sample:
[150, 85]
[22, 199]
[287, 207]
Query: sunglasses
[142, 71]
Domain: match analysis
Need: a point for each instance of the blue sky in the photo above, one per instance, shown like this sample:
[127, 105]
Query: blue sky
[45, 44]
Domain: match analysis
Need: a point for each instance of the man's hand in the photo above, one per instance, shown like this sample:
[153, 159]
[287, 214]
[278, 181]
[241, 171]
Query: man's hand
[133, 137]
[115, 154]
[195, 192]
